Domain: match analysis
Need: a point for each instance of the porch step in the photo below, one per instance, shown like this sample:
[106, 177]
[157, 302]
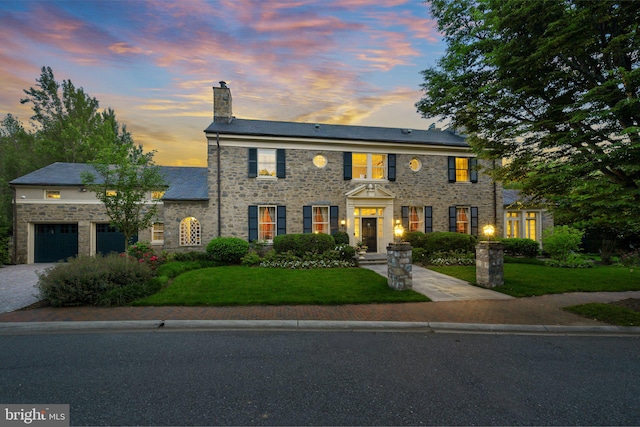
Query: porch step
[370, 259]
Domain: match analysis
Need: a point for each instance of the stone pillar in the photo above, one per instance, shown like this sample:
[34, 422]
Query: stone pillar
[489, 264]
[399, 275]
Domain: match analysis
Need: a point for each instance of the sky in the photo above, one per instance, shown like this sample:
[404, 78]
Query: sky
[154, 62]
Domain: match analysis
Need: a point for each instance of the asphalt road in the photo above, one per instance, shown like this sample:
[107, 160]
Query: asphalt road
[325, 378]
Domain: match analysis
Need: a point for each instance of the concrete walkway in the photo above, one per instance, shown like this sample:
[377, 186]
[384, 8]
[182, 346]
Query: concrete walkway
[440, 287]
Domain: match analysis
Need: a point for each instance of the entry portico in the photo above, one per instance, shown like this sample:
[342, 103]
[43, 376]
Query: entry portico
[370, 216]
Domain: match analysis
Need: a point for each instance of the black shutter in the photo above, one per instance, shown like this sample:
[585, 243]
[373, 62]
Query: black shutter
[253, 223]
[253, 162]
[333, 219]
[428, 219]
[452, 169]
[282, 220]
[404, 213]
[347, 165]
[280, 163]
[391, 160]
[473, 169]
[452, 219]
[474, 221]
[306, 219]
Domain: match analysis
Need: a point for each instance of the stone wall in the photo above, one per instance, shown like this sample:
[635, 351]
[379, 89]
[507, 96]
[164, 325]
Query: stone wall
[305, 184]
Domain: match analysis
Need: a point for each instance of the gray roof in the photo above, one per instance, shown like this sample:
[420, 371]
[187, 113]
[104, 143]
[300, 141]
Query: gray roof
[510, 197]
[185, 183]
[338, 132]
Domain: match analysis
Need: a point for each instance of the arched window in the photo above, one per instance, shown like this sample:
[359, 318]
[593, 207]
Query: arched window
[190, 232]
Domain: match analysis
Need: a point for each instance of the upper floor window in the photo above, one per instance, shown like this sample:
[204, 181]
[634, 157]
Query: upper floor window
[266, 163]
[111, 193]
[463, 169]
[157, 195]
[52, 194]
[369, 166]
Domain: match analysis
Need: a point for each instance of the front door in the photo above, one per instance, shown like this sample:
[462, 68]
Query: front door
[370, 233]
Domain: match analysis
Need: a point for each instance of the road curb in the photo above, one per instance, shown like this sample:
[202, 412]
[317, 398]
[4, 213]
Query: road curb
[16, 328]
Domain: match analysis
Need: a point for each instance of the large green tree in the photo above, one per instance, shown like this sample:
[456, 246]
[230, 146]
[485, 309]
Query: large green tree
[124, 181]
[552, 88]
[69, 127]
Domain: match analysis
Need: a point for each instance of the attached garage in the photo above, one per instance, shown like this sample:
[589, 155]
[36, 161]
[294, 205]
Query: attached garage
[109, 239]
[55, 242]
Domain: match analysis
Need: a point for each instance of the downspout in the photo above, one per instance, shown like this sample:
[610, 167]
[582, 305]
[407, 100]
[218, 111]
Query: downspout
[219, 187]
[15, 227]
[495, 200]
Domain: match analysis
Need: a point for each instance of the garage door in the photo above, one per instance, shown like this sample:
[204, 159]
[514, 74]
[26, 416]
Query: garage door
[109, 239]
[55, 242]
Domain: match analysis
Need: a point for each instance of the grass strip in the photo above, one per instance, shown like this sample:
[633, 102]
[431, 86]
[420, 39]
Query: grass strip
[607, 313]
[238, 285]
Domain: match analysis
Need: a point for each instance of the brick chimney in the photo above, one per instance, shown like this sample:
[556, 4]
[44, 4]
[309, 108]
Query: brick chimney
[222, 103]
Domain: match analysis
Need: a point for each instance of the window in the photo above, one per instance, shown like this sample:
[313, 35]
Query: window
[415, 218]
[463, 169]
[320, 219]
[157, 232]
[513, 224]
[415, 164]
[266, 223]
[190, 234]
[320, 161]
[462, 220]
[157, 195]
[52, 194]
[369, 166]
[266, 162]
[531, 225]
[111, 193]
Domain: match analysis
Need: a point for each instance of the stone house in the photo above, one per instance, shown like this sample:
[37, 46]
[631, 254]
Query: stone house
[265, 178]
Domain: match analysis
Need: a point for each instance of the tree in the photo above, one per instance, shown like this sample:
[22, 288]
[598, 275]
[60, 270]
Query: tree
[552, 88]
[68, 124]
[126, 177]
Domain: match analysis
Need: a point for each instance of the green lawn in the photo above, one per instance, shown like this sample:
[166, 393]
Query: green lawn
[522, 280]
[237, 285]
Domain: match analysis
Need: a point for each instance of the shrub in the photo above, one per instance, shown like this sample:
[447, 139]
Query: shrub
[417, 239]
[4, 250]
[190, 256]
[227, 249]
[560, 241]
[301, 244]
[630, 259]
[520, 247]
[341, 237]
[99, 280]
[345, 251]
[251, 259]
[444, 258]
[419, 255]
[143, 252]
[573, 260]
[445, 241]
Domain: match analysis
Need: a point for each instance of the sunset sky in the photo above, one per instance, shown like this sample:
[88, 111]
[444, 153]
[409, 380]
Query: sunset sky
[154, 62]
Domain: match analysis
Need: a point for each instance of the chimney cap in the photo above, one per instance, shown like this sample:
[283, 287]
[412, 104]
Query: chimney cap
[223, 84]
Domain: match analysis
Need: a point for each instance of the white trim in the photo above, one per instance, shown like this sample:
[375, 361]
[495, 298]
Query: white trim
[320, 144]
